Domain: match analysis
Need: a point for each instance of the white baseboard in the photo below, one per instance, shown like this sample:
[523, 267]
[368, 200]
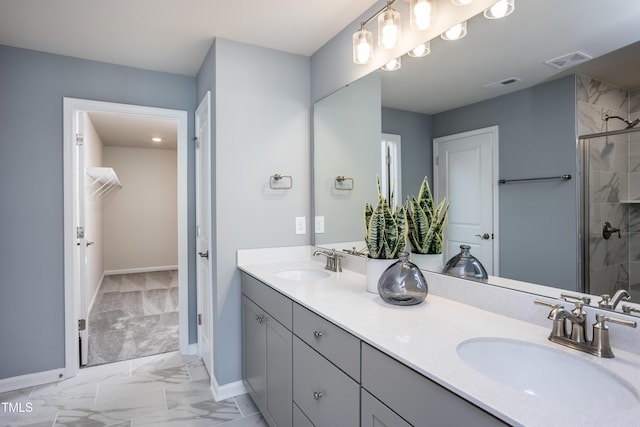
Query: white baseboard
[31, 380]
[226, 391]
[140, 270]
[95, 294]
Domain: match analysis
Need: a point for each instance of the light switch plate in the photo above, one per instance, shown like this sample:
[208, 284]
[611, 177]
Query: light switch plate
[301, 226]
[319, 224]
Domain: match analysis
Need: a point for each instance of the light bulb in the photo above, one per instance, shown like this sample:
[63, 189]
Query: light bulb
[392, 65]
[388, 29]
[421, 12]
[423, 49]
[456, 32]
[461, 2]
[362, 46]
[500, 9]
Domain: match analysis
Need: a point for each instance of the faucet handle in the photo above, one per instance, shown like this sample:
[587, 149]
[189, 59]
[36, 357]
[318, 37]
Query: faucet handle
[627, 309]
[601, 319]
[584, 298]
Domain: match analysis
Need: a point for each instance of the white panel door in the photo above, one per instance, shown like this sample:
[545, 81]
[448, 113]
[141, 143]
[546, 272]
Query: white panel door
[203, 232]
[465, 171]
[82, 305]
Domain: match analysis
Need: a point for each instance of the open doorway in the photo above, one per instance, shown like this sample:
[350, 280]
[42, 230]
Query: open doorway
[126, 232]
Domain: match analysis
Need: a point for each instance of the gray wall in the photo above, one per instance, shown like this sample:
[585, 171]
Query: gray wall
[537, 137]
[261, 127]
[33, 85]
[417, 147]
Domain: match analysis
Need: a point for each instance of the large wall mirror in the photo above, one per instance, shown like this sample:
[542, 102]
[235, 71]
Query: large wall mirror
[494, 77]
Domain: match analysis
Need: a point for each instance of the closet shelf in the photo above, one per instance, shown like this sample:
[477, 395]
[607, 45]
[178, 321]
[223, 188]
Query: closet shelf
[105, 178]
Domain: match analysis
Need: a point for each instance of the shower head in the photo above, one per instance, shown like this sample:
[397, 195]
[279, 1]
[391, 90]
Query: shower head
[630, 124]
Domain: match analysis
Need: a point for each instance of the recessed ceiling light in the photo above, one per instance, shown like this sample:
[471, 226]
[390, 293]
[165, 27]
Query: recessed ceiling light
[156, 139]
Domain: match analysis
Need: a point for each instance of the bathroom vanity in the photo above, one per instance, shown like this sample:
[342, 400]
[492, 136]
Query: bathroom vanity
[318, 350]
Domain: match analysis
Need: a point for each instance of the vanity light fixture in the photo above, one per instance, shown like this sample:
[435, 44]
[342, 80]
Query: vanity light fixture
[461, 2]
[388, 34]
[423, 49]
[500, 9]
[388, 28]
[362, 46]
[456, 32]
[392, 65]
[422, 13]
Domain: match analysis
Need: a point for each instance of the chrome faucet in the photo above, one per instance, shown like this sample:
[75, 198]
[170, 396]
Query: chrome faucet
[576, 337]
[334, 260]
[612, 302]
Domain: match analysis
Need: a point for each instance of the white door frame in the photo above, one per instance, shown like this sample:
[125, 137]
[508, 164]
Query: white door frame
[494, 131]
[71, 278]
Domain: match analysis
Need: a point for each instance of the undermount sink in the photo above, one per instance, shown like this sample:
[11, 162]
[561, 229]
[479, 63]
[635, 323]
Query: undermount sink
[551, 375]
[302, 274]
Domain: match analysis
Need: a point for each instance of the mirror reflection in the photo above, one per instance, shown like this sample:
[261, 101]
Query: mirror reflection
[538, 111]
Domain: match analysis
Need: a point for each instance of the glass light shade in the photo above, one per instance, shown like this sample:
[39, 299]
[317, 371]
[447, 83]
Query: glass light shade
[388, 29]
[422, 13]
[423, 49]
[461, 2]
[500, 9]
[392, 65]
[456, 32]
[362, 46]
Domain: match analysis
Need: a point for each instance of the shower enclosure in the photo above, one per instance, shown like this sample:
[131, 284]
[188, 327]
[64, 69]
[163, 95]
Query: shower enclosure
[610, 165]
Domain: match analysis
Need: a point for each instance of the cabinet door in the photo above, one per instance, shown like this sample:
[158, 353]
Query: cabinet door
[279, 373]
[326, 395]
[374, 413]
[254, 344]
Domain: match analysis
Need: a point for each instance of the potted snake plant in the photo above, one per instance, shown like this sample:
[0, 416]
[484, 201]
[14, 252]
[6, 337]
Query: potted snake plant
[426, 223]
[385, 236]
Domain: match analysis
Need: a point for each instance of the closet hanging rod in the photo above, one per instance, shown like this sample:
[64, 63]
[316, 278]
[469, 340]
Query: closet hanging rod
[564, 177]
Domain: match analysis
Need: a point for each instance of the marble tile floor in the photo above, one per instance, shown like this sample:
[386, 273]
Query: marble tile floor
[134, 315]
[162, 390]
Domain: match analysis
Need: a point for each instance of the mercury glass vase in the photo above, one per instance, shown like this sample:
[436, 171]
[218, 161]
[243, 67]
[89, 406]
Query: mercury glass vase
[403, 283]
[465, 265]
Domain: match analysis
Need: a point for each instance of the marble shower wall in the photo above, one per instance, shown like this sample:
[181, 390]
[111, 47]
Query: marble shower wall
[611, 171]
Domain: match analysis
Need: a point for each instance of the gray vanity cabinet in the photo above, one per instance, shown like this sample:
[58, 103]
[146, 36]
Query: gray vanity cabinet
[374, 413]
[267, 351]
[419, 400]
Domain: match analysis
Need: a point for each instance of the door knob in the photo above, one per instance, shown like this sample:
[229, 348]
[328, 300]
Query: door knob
[204, 254]
[90, 243]
[485, 236]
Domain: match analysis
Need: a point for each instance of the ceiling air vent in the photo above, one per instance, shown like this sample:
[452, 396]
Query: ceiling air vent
[502, 83]
[568, 60]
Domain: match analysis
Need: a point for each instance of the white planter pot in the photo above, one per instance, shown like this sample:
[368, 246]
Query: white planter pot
[375, 268]
[429, 262]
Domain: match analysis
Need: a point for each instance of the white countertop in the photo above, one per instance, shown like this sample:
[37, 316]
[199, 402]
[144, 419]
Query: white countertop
[425, 338]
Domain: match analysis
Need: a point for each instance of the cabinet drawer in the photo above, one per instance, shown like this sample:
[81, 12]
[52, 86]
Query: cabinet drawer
[417, 399]
[326, 395]
[334, 343]
[272, 301]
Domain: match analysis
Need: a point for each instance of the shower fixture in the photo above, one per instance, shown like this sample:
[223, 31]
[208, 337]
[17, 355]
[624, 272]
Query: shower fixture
[630, 124]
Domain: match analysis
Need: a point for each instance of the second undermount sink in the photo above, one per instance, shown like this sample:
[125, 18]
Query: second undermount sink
[552, 375]
[302, 274]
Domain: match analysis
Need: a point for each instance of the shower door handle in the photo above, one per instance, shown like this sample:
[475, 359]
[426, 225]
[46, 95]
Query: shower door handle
[204, 254]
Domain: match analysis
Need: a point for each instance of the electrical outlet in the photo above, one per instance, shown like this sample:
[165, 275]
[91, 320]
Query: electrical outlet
[319, 224]
[301, 226]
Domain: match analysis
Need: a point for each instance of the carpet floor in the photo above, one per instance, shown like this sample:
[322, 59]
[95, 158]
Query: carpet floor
[134, 315]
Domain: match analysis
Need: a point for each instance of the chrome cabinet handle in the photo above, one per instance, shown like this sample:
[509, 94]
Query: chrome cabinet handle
[260, 318]
[317, 395]
[204, 254]
[318, 334]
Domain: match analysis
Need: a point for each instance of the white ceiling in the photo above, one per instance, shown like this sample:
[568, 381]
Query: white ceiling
[119, 130]
[170, 35]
